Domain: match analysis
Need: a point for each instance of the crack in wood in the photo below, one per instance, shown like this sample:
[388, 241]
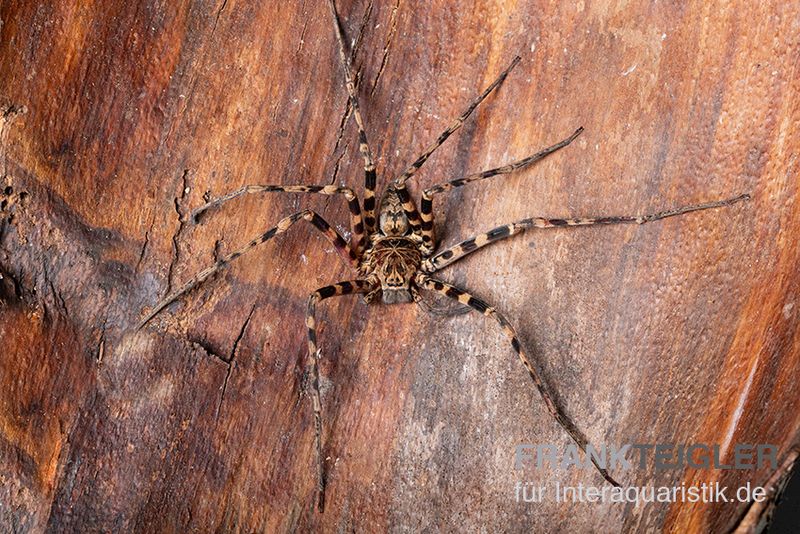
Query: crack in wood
[230, 362]
[360, 36]
[386, 47]
[302, 30]
[336, 165]
[144, 245]
[101, 345]
[219, 13]
[241, 334]
[759, 513]
[181, 221]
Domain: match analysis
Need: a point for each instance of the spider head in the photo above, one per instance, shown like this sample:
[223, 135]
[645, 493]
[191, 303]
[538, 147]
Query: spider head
[392, 218]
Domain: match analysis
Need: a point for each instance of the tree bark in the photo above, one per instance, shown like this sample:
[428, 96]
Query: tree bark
[119, 118]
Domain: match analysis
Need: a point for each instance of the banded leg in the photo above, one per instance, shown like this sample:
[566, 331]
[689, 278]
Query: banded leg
[283, 225]
[477, 304]
[414, 167]
[456, 252]
[409, 208]
[342, 288]
[358, 240]
[426, 204]
[363, 145]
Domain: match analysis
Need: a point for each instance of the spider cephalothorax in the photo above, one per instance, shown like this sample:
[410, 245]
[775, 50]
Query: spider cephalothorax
[396, 257]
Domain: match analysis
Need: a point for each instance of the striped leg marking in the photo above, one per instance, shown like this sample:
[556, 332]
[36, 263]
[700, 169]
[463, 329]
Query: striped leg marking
[475, 303]
[410, 209]
[283, 225]
[414, 167]
[426, 204]
[342, 288]
[363, 145]
[356, 223]
[456, 252]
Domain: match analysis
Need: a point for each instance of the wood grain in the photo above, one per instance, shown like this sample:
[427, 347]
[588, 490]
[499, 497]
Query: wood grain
[119, 118]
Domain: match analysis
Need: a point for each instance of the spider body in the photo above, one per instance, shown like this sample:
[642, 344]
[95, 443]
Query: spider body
[394, 255]
[392, 263]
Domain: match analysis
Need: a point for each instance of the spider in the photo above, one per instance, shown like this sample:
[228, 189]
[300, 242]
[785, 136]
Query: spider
[394, 254]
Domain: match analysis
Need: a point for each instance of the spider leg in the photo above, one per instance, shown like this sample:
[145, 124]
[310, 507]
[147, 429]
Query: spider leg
[426, 204]
[410, 209]
[414, 219]
[456, 252]
[356, 224]
[341, 288]
[414, 167]
[283, 225]
[363, 145]
[475, 303]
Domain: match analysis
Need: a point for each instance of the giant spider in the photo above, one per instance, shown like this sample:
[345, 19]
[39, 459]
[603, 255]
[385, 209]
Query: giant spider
[393, 254]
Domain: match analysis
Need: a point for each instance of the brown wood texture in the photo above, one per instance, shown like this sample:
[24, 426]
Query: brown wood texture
[118, 117]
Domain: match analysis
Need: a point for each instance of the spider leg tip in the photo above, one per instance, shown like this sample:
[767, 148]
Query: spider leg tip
[608, 478]
[736, 200]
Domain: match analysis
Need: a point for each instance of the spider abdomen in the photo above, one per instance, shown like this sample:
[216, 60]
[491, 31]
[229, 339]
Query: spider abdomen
[393, 261]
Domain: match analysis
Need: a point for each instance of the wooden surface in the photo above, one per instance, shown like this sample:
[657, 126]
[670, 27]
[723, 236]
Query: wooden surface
[119, 117]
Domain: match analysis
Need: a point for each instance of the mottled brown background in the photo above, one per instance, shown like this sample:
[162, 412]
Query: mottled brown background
[118, 117]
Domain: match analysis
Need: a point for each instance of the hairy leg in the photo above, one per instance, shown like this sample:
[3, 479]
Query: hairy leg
[356, 223]
[409, 208]
[475, 303]
[366, 153]
[341, 288]
[414, 167]
[426, 204]
[283, 225]
[456, 252]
